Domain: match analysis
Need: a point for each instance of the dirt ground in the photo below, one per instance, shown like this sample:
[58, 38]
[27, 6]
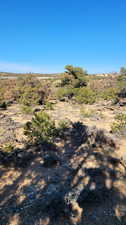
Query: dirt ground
[102, 117]
[20, 188]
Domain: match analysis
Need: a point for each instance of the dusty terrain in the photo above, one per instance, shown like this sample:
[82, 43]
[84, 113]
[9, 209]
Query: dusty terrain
[102, 116]
[22, 189]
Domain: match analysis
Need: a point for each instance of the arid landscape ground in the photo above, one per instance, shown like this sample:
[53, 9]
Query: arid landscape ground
[85, 162]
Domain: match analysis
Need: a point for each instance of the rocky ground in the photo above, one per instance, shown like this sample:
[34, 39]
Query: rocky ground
[81, 171]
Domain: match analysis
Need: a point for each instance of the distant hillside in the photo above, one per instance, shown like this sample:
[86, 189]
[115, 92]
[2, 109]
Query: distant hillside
[6, 74]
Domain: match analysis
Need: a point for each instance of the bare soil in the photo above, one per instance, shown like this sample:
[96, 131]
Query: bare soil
[19, 188]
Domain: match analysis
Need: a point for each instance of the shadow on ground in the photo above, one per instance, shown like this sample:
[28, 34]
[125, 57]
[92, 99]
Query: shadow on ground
[83, 183]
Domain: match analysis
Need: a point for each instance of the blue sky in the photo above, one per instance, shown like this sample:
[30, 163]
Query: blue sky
[45, 35]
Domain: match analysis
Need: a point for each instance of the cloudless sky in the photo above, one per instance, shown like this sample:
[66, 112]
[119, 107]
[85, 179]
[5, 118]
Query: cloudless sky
[45, 35]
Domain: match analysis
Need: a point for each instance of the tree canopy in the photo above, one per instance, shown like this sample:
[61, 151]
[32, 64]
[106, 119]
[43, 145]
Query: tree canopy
[76, 72]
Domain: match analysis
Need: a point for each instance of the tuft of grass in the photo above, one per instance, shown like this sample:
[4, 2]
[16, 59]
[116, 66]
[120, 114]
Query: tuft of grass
[63, 124]
[49, 106]
[26, 109]
[8, 147]
[120, 125]
[87, 112]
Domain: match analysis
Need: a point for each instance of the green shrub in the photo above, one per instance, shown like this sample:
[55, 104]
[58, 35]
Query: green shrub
[120, 125]
[27, 109]
[122, 93]
[85, 95]
[29, 97]
[27, 80]
[48, 106]
[115, 101]
[41, 129]
[63, 124]
[29, 91]
[109, 94]
[122, 75]
[122, 70]
[121, 78]
[75, 77]
[65, 81]
[9, 147]
[65, 92]
[79, 83]
[75, 72]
